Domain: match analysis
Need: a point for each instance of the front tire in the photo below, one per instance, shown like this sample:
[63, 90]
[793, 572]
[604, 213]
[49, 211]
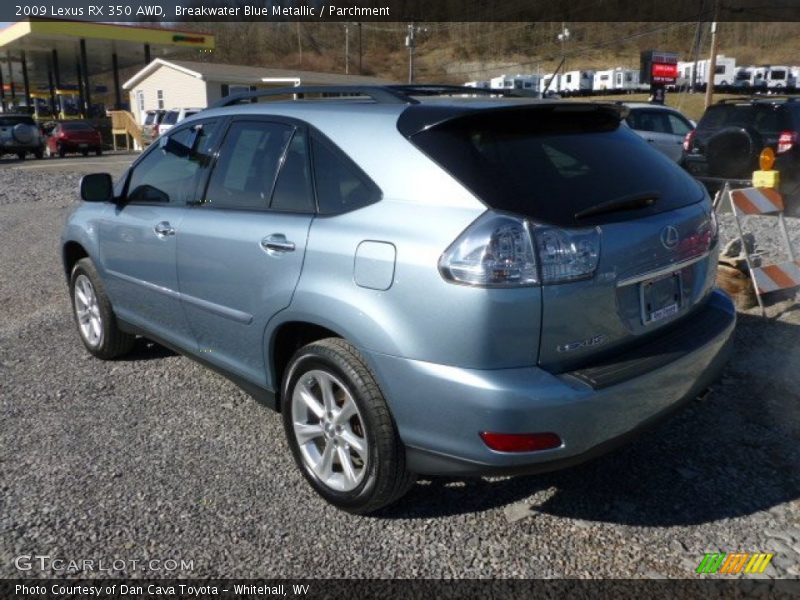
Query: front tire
[340, 430]
[94, 316]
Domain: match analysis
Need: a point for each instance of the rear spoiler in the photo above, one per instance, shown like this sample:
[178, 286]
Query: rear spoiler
[423, 117]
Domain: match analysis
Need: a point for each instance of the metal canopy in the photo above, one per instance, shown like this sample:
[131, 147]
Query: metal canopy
[30, 45]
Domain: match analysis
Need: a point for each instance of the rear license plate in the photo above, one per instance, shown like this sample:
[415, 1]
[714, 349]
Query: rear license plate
[660, 298]
[83, 145]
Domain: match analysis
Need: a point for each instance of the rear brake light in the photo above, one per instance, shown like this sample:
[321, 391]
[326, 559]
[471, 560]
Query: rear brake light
[520, 442]
[688, 139]
[786, 141]
[567, 254]
[495, 251]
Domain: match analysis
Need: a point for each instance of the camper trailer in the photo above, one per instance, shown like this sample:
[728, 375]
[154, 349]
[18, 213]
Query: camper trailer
[524, 83]
[574, 83]
[603, 80]
[779, 78]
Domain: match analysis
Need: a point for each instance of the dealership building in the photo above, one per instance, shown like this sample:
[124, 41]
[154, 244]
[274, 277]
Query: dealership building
[166, 84]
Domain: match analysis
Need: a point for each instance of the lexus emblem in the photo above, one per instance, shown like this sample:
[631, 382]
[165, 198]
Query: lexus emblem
[669, 237]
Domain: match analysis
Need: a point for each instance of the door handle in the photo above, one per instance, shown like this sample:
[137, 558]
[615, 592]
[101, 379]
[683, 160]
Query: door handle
[277, 243]
[163, 229]
[651, 140]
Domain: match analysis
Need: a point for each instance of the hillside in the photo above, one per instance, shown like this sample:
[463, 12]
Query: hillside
[456, 52]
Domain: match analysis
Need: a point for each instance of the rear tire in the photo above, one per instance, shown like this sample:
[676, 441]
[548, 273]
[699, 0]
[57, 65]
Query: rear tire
[61, 151]
[340, 430]
[98, 152]
[39, 153]
[85, 152]
[94, 316]
[21, 155]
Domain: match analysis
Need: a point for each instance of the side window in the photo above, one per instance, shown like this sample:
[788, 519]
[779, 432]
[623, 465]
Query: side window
[249, 158]
[341, 186]
[168, 173]
[679, 126]
[293, 190]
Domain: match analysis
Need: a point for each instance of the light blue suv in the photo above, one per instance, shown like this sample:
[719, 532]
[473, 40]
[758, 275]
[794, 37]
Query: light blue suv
[420, 282]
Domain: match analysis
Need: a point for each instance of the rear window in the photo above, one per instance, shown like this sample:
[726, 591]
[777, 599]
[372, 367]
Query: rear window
[150, 118]
[10, 121]
[764, 117]
[552, 163]
[170, 118]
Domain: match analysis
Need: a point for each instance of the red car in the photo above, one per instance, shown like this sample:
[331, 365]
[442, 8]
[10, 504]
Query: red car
[74, 137]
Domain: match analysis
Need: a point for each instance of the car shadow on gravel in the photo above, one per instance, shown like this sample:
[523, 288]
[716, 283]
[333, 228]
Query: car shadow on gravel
[729, 455]
[145, 349]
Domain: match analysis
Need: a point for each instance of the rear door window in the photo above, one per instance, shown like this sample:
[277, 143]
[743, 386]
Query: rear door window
[551, 163]
[249, 157]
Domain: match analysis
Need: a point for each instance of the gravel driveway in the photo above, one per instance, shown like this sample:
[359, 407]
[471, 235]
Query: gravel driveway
[155, 457]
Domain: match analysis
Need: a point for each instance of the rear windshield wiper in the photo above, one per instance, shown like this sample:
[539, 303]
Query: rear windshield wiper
[631, 202]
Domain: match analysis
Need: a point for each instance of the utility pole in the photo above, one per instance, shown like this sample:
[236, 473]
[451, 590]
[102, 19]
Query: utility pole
[347, 48]
[712, 59]
[360, 51]
[299, 43]
[411, 44]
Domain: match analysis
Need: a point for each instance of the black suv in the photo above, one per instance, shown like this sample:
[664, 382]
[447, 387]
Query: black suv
[732, 133]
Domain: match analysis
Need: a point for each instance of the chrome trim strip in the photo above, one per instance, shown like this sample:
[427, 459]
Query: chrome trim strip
[662, 270]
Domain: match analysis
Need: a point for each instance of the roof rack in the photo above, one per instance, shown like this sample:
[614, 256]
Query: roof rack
[386, 94]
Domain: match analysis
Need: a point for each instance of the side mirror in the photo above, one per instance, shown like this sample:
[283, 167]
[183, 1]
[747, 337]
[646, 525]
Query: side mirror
[97, 187]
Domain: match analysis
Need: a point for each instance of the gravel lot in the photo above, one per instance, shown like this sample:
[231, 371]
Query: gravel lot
[155, 457]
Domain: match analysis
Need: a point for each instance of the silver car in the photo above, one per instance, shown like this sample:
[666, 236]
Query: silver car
[420, 283]
[663, 127]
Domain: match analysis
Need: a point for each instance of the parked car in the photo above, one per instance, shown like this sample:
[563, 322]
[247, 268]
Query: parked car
[175, 116]
[661, 126]
[20, 135]
[74, 137]
[150, 126]
[731, 135]
[420, 285]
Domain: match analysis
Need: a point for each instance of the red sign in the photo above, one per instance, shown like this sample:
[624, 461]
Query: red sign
[665, 73]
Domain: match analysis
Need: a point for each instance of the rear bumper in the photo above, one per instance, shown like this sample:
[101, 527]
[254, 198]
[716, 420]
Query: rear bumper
[77, 147]
[440, 409]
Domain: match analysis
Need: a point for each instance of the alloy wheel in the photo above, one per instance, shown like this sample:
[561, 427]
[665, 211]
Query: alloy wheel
[87, 310]
[329, 431]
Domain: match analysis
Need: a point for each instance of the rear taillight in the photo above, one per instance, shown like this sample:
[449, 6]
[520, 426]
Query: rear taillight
[500, 250]
[688, 139]
[786, 141]
[567, 254]
[495, 251]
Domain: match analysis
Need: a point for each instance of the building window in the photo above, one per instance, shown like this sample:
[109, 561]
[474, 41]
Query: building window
[160, 96]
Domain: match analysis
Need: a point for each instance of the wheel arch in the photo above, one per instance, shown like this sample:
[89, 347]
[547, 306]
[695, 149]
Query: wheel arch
[286, 339]
[71, 253]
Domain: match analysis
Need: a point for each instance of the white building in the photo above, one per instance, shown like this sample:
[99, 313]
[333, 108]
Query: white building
[164, 84]
[576, 82]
